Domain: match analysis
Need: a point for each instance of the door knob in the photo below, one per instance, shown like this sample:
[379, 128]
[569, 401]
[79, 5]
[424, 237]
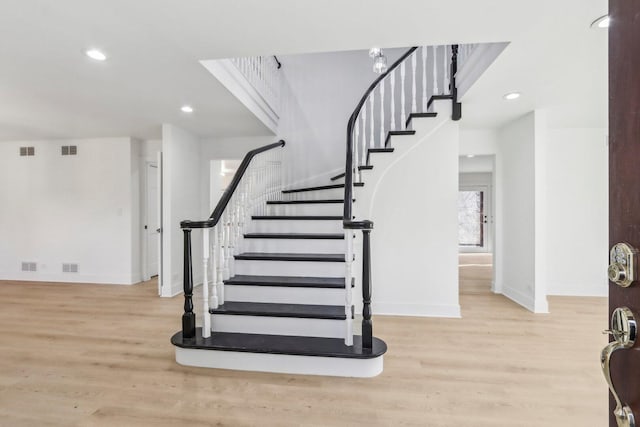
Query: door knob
[622, 264]
[624, 331]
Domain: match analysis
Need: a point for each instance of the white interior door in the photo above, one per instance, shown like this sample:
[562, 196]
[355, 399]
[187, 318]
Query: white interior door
[474, 218]
[153, 219]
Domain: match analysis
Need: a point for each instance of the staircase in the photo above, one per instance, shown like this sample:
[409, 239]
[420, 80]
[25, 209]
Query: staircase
[280, 296]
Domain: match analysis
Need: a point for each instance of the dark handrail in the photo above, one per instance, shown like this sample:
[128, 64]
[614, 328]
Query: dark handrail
[347, 219]
[226, 197]
[277, 62]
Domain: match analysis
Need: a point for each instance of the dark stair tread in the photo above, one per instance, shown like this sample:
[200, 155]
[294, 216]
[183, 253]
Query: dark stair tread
[397, 133]
[274, 256]
[299, 217]
[306, 236]
[281, 344]
[301, 202]
[268, 309]
[341, 175]
[321, 187]
[287, 281]
[419, 115]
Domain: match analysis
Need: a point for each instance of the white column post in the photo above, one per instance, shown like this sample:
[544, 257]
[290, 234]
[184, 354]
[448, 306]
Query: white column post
[414, 108]
[215, 267]
[220, 271]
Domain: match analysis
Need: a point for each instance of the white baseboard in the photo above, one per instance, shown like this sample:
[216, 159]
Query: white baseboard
[418, 310]
[527, 301]
[577, 290]
[88, 279]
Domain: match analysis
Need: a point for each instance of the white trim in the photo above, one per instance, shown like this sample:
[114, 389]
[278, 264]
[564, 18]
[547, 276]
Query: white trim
[418, 310]
[281, 363]
[577, 290]
[319, 179]
[290, 326]
[231, 78]
[528, 302]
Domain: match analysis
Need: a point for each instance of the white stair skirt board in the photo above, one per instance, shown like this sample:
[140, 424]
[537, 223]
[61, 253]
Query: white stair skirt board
[331, 193]
[334, 209]
[289, 268]
[285, 295]
[295, 226]
[293, 326]
[280, 363]
[306, 246]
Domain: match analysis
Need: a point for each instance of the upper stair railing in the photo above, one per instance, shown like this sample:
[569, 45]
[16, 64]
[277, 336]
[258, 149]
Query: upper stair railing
[263, 73]
[258, 179]
[432, 72]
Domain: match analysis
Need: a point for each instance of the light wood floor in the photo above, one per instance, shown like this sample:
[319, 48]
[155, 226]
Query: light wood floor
[100, 355]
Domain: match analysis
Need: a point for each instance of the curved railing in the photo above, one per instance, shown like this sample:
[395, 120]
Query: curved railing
[257, 180]
[431, 76]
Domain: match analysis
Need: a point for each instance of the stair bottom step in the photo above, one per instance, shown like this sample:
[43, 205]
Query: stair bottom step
[282, 354]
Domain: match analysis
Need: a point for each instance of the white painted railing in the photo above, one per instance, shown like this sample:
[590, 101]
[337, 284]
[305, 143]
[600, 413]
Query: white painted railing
[258, 179]
[264, 75]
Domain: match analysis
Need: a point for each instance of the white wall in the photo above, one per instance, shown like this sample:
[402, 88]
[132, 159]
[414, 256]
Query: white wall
[182, 200]
[415, 237]
[80, 209]
[516, 216]
[320, 93]
[577, 208]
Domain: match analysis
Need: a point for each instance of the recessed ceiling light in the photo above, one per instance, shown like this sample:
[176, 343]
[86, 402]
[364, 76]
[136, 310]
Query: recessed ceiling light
[511, 96]
[96, 54]
[186, 109]
[601, 22]
[471, 156]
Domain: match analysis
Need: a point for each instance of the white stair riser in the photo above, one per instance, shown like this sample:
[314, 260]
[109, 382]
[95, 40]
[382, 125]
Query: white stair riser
[332, 193]
[327, 328]
[296, 226]
[289, 268]
[285, 295]
[280, 363]
[310, 246]
[306, 209]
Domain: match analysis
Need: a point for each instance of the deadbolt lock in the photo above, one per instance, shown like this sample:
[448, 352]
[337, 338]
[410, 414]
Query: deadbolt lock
[623, 264]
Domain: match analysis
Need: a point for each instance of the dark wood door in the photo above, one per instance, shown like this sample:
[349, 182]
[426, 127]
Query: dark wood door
[624, 180]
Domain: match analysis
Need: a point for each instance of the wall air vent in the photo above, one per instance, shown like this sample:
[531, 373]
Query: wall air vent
[27, 151]
[69, 268]
[29, 266]
[69, 150]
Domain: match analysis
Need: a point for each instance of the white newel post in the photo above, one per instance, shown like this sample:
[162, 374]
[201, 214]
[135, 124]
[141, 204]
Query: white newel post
[372, 143]
[364, 135]
[220, 252]
[206, 317]
[356, 163]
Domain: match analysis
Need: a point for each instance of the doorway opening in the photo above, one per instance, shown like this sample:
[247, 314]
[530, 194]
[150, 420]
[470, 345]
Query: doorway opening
[476, 224]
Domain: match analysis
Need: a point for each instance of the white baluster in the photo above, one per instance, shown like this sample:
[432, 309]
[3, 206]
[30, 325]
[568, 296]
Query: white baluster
[354, 145]
[445, 70]
[220, 253]
[414, 108]
[435, 71]
[213, 301]
[206, 317]
[382, 113]
[403, 115]
[393, 100]
[364, 134]
[424, 78]
[348, 302]
[372, 142]
[227, 248]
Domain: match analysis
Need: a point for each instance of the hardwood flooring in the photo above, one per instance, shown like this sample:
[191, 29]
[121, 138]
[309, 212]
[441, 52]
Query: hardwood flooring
[99, 355]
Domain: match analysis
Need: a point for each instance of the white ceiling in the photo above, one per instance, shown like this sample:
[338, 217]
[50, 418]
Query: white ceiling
[49, 89]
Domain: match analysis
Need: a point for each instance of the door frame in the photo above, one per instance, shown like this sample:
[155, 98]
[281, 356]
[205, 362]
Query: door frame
[146, 209]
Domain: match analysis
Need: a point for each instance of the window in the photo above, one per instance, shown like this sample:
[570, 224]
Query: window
[471, 218]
